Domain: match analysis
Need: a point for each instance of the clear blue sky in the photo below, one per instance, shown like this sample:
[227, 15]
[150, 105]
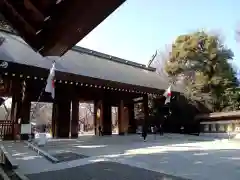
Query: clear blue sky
[140, 27]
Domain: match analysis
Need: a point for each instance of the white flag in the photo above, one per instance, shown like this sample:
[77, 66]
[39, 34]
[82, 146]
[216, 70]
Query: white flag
[50, 87]
[168, 95]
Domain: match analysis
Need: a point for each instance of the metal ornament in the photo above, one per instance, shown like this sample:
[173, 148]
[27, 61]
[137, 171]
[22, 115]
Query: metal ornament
[4, 64]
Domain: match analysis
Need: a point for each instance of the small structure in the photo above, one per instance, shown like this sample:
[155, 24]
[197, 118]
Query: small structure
[219, 124]
[81, 75]
[52, 27]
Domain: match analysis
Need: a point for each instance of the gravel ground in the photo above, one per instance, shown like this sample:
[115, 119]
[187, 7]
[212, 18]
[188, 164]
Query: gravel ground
[103, 171]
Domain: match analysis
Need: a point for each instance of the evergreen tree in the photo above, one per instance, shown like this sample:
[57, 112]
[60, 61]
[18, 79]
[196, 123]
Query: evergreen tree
[202, 61]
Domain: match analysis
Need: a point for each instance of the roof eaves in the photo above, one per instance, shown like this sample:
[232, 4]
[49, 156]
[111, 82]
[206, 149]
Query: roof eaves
[98, 54]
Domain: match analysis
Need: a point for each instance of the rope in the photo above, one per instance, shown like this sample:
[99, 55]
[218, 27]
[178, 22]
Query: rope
[41, 93]
[39, 97]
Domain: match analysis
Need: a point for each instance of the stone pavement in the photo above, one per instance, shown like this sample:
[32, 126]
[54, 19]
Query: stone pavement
[24, 157]
[103, 171]
[183, 156]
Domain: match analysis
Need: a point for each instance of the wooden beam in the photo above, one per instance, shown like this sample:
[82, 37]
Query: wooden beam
[18, 15]
[77, 18]
[63, 20]
[29, 13]
[45, 6]
[38, 16]
[23, 27]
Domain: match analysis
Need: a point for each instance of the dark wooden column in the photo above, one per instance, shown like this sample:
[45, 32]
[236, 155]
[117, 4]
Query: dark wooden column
[63, 118]
[25, 107]
[121, 118]
[132, 121]
[15, 109]
[145, 110]
[54, 119]
[98, 115]
[75, 118]
[107, 118]
[61, 115]
[13, 117]
[95, 120]
[25, 110]
[16, 106]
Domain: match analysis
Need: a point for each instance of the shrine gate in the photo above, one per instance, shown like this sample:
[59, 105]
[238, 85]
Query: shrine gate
[82, 75]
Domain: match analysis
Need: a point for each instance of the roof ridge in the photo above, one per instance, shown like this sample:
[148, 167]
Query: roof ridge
[98, 54]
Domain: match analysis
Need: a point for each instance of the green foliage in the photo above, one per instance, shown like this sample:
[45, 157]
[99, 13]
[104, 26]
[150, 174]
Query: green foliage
[231, 99]
[203, 61]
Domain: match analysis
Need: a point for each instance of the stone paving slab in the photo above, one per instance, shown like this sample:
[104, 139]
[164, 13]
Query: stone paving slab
[103, 171]
[107, 144]
[27, 159]
[176, 156]
[68, 156]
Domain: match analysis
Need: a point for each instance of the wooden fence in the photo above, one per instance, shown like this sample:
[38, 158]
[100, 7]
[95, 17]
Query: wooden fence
[6, 130]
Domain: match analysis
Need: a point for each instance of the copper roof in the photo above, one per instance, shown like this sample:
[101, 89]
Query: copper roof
[84, 62]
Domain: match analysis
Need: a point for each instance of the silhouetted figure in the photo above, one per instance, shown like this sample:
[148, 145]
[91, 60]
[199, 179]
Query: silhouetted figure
[160, 130]
[182, 130]
[155, 131]
[100, 133]
[144, 132]
[42, 128]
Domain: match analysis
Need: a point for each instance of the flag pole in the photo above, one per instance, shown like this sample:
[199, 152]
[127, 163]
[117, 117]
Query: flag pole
[39, 97]
[41, 94]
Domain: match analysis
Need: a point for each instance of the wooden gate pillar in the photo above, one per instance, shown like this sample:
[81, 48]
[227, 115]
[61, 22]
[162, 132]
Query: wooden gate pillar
[63, 118]
[107, 118]
[121, 118]
[75, 118]
[98, 115]
[95, 116]
[54, 119]
[13, 117]
[103, 117]
[145, 110]
[61, 113]
[25, 107]
[132, 122]
[16, 106]
[25, 110]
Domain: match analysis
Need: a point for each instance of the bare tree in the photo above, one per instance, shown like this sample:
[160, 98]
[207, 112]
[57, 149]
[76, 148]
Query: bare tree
[86, 113]
[115, 115]
[35, 108]
[3, 102]
[159, 61]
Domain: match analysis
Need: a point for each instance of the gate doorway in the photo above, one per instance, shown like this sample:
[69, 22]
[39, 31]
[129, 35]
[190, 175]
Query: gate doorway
[114, 120]
[6, 125]
[41, 117]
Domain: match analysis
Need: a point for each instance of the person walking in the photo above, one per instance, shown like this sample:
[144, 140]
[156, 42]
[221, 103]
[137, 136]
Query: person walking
[152, 129]
[100, 131]
[144, 132]
[160, 130]
[155, 132]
